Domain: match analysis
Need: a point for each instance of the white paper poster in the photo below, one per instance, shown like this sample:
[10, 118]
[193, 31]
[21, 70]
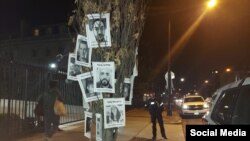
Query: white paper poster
[88, 123]
[104, 77]
[73, 68]
[114, 112]
[83, 52]
[98, 30]
[127, 91]
[98, 127]
[87, 87]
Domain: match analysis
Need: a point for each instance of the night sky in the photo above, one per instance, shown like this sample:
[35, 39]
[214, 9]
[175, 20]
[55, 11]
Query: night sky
[221, 39]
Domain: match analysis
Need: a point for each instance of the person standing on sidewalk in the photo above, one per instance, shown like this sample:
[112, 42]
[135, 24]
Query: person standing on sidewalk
[155, 109]
[51, 120]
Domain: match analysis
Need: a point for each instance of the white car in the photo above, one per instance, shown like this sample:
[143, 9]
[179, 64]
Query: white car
[194, 105]
[231, 104]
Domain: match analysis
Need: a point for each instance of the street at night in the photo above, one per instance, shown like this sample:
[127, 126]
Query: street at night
[125, 70]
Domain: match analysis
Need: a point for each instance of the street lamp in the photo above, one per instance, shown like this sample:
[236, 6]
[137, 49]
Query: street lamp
[169, 109]
[211, 3]
[182, 79]
[52, 65]
[183, 39]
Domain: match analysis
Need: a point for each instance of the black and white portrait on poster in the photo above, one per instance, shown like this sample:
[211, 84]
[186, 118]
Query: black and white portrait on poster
[83, 52]
[88, 122]
[98, 30]
[87, 87]
[104, 76]
[73, 68]
[127, 91]
[114, 112]
[98, 127]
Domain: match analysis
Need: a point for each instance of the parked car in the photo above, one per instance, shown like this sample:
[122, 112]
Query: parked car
[231, 104]
[194, 105]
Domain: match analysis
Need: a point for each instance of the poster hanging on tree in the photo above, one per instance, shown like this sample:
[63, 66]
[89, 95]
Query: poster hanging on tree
[73, 68]
[127, 91]
[82, 51]
[98, 127]
[87, 87]
[104, 77]
[135, 69]
[114, 112]
[98, 30]
[88, 121]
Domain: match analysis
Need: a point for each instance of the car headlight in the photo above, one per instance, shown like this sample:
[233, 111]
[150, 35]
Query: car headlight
[184, 107]
[205, 105]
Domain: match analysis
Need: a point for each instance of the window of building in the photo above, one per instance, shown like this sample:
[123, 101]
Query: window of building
[47, 52]
[33, 53]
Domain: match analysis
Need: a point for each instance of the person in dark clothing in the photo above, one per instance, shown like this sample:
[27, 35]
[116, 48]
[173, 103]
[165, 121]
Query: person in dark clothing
[155, 109]
[51, 120]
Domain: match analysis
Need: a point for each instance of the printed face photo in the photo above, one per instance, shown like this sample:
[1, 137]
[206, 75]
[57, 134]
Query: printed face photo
[115, 114]
[104, 79]
[98, 30]
[89, 88]
[73, 69]
[82, 52]
[126, 91]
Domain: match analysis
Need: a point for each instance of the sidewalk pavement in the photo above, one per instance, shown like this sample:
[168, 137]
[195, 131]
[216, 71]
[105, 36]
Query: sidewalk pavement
[138, 128]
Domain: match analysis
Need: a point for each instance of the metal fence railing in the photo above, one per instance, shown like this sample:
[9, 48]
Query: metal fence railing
[20, 87]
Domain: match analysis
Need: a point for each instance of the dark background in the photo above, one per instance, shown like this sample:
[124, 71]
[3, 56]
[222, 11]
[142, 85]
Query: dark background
[220, 40]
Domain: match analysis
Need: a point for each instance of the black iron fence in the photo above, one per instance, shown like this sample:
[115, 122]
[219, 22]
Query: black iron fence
[20, 87]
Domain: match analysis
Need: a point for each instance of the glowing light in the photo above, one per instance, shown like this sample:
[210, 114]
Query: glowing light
[211, 3]
[52, 65]
[228, 70]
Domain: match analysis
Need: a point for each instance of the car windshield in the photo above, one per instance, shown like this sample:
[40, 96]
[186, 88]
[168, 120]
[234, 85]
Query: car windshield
[193, 99]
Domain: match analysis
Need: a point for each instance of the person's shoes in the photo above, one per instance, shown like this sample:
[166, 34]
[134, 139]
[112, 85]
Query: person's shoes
[59, 130]
[164, 137]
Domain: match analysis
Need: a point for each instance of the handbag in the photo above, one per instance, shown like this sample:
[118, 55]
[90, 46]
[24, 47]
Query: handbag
[59, 108]
[39, 110]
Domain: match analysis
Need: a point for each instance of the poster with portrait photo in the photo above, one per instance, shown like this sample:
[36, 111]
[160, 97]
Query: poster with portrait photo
[114, 112]
[82, 51]
[126, 91]
[98, 127]
[73, 68]
[88, 122]
[104, 76]
[135, 69]
[98, 30]
[86, 83]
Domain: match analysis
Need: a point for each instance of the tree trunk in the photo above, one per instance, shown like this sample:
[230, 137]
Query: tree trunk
[126, 25]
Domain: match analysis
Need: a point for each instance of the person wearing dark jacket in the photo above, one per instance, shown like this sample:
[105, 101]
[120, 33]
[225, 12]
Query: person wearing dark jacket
[155, 109]
[51, 120]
